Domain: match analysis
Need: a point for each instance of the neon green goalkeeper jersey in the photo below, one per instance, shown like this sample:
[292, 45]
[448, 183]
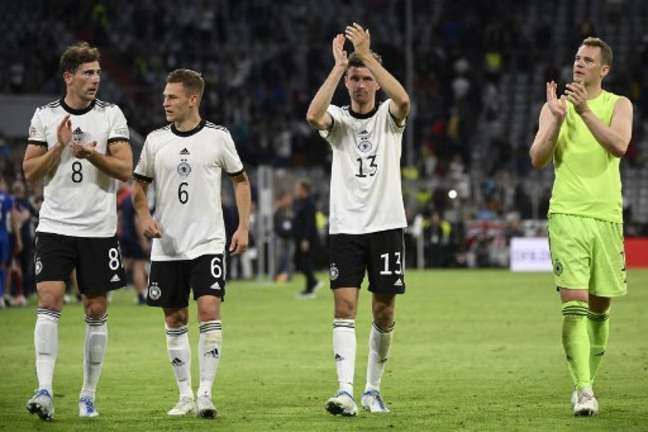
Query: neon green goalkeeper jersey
[588, 181]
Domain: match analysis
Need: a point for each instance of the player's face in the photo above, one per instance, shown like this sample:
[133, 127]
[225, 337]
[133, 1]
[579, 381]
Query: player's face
[177, 103]
[588, 68]
[361, 84]
[84, 82]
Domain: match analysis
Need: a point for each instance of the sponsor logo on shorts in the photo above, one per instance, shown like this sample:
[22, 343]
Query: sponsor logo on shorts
[557, 267]
[115, 278]
[333, 272]
[215, 286]
[154, 291]
[39, 266]
[399, 282]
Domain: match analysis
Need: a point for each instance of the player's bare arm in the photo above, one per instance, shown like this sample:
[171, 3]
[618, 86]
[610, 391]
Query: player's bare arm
[399, 106]
[243, 197]
[614, 138]
[39, 161]
[552, 116]
[148, 225]
[316, 115]
[117, 162]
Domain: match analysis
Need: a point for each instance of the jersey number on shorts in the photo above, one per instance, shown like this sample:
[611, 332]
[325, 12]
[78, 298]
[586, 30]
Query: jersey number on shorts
[113, 259]
[216, 267]
[386, 270]
[183, 194]
[77, 175]
[367, 166]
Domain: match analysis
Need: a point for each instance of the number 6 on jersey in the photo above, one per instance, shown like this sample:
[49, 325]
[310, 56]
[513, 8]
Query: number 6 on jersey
[183, 194]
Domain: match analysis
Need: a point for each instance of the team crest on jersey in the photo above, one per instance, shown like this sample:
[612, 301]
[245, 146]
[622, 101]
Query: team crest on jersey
[154, 291]
[184, 169]
[38, 266]
[77, 134]
[333, 272]
[364, 145]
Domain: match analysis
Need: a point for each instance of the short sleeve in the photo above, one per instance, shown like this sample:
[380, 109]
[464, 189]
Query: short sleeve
[119, 127]
[37, 132]
[393, 125]
[144, 169]
[336, 115]
[230, 160]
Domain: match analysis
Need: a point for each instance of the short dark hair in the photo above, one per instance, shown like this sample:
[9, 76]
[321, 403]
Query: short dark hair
[77, 54]
[355, 61]
[305, 184]
[606, 51]
[191, 80]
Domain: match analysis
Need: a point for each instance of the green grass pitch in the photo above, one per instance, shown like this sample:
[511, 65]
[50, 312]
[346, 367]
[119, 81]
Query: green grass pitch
[473, 351]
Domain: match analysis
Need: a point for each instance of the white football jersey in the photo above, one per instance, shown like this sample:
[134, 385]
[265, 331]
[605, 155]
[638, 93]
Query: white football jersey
[79, 199]
[365, 195]
[187, 167]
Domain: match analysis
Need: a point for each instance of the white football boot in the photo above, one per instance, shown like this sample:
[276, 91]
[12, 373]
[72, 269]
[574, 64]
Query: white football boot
[373, 402]
[87, 407]
[206, 407]
[42, 404]
[586, 405]
[185, 406]
[342, 404]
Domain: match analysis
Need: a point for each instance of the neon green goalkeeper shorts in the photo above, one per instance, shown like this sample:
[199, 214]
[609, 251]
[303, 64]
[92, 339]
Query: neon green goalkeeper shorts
[587, 253]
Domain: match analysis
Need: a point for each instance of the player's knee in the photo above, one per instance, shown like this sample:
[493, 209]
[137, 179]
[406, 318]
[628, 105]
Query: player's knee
[95, 307]
[176, 318]
[599, 305]
[345, 309]
[50, 301]
[384, 319]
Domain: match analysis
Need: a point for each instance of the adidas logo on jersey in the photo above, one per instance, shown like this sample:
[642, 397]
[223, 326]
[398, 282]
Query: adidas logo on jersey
[184, 151]
[115, 278]
[399, 282]
[176, 362]
[215, 286]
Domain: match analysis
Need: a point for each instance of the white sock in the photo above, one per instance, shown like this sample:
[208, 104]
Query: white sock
[344, 350]
[180, 358]
[46, 346]
[379, 342]
[210, 345]
[95, 349]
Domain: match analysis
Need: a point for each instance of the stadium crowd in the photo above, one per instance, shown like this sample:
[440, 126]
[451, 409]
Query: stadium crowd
[263, 60]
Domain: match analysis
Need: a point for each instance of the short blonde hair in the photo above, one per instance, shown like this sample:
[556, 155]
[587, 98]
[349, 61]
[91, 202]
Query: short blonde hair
[606, 51]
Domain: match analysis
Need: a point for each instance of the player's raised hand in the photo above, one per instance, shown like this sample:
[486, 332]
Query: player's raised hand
[150, 228]
[239, 243]
[64, 131]
[577, 94]
[557, 106]
[359, 37]
[339, 54]
[83, 151]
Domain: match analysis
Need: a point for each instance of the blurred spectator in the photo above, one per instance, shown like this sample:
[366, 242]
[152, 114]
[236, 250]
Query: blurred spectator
[305, 236]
